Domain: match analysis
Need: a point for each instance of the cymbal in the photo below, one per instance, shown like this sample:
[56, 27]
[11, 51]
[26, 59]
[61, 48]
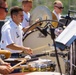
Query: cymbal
[41, 13]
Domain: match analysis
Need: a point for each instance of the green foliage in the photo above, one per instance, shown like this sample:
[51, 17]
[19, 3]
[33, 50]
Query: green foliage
[48, 3]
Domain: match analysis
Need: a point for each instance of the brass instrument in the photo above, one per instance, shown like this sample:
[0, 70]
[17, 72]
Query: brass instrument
[6, 53]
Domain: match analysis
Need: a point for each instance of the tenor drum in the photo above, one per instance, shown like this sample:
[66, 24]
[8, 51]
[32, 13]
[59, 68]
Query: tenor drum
[37, 41]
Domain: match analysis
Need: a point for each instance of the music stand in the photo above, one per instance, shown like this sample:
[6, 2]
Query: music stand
[67, 36]
[68, 39]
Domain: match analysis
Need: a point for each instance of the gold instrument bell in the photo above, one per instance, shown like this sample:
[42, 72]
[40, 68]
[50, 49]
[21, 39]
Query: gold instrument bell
[6, 53]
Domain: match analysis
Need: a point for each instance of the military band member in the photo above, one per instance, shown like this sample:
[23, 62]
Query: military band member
[12, 33]
[27, 6]
[3, 13]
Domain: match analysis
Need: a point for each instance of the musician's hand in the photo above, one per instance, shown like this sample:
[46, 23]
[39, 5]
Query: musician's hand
[40, 23]
[6, 64]
[5, 70]
[28, 51]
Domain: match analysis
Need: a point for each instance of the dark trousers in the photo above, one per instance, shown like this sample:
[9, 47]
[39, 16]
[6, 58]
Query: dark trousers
[15, 55]
[1, 24]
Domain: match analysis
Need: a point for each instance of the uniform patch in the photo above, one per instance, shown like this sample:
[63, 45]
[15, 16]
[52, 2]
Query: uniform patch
[2, 41]
[17, 35]
[27, 20]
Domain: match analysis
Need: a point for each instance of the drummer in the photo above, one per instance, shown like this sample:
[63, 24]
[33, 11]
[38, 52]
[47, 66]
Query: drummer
[12, 34]
[4, 67]
[3, 13]
[27, 6]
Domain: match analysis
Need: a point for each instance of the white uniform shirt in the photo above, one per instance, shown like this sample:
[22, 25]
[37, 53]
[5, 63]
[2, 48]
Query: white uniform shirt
[11, 33]
[26, 20]
[57, 15]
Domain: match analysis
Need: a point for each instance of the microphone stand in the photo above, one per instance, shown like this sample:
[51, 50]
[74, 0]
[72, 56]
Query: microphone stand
[44, 31]
[53, 37]
[68, 18]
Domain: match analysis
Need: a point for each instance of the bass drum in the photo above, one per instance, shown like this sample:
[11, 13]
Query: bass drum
[38, 42]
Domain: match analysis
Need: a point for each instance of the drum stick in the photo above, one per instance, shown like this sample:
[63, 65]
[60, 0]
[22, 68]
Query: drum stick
[19, 67]
[1, 61]
[23, 61]
[40, 47]
[43, 47]
[48, 51]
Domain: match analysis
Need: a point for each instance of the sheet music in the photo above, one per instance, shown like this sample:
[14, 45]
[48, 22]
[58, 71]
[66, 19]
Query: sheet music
[67, 34]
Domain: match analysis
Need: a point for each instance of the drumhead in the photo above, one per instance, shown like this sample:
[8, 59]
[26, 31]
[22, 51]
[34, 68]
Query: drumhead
[37, 41]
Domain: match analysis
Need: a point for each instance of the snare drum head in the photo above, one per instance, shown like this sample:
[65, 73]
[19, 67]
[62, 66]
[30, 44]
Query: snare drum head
[37, 41]
[40, 65]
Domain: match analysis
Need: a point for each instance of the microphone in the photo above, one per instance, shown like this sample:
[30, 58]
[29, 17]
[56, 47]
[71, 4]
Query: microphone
[39, 55]
[52, 33]
[63, 54]
[59, 53]
[43, 31]
[53, 55]
[66, 17]
[33, 59]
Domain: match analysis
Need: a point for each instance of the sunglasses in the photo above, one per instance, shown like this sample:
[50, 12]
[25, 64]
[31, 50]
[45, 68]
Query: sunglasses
[6, 9]
[4, 0]
[59, 7]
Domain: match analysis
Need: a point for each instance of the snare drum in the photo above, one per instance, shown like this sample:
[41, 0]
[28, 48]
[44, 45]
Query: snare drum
[40, 65]
[37, 41]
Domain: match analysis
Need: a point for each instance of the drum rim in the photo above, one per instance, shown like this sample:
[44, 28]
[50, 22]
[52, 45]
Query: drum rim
[39, 22]
[29, 34]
